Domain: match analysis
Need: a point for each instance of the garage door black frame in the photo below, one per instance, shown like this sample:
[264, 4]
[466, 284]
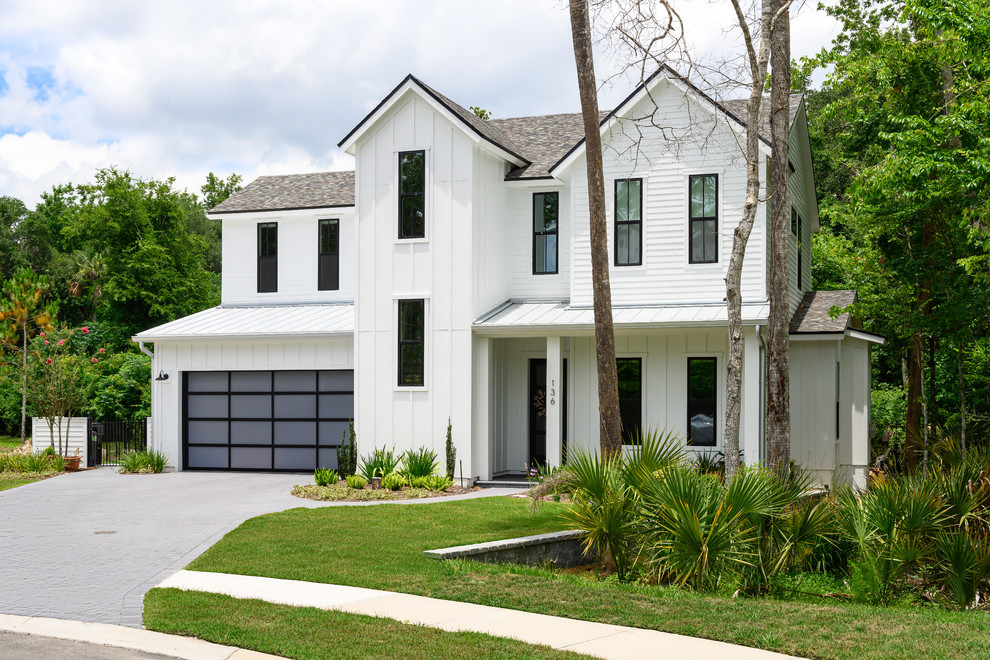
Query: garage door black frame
[273, 392]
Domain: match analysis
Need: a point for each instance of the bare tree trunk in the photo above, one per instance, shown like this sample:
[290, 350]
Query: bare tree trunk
[912, 430]
[24, 382]
[608, 392]
[778, 358]
[924, 413]
[962, 400]
[740, 236]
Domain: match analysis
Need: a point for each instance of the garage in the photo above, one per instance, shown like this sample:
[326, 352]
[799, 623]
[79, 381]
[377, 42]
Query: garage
[274, 421]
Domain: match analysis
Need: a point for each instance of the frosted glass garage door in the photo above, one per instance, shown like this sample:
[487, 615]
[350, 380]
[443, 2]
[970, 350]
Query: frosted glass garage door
[290, 421]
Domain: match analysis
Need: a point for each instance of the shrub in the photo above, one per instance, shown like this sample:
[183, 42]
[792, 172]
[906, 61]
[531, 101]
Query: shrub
[143, 462]
[380, 463]
[393, 481]
[355, 481]
[347, 452]
[325, 477]
[418, 482]
[420, 463]
[451, 452]
[436, 482]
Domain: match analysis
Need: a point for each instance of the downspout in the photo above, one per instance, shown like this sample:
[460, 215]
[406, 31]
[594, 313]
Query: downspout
[152, 355]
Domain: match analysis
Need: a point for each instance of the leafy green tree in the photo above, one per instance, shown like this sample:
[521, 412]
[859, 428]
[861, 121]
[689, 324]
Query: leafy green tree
[12, 213]
[216, 190]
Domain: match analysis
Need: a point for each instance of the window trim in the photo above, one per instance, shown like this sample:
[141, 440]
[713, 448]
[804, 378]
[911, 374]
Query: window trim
[692, 219]
[399, 343]
[717, 441]
[400, 196]
[260, 257]
[320, 255]
[616, 222]
[642, 388]
[555, 233]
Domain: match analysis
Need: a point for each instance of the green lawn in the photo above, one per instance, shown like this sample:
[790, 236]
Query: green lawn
[381, 547]
[6, 483]
[277, 629]
[10, 441]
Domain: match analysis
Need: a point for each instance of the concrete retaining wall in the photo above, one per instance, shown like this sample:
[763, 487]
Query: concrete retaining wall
[561, 548]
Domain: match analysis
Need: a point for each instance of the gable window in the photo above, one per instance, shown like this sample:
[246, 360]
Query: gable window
[412, 187]
[629, 222]
[545, 211]
[703, 213]
[412, 331]
[701, 401]
[630, 378]
[267, 257]
[329, 256]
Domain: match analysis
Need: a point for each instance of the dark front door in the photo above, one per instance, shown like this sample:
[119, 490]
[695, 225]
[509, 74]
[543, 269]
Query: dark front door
[537, 411]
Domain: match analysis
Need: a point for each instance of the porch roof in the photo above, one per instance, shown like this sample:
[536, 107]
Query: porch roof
[257, 322]
[515, 317]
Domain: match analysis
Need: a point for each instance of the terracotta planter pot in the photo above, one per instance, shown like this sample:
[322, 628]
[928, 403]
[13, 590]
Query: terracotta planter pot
[72, 463]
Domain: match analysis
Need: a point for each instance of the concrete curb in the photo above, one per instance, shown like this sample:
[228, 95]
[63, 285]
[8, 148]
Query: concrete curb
[104, 634]
[588, 637]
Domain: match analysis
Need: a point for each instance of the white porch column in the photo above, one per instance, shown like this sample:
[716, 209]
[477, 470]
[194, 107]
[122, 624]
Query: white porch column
[749, 427]
[554, 405]
[481, 437]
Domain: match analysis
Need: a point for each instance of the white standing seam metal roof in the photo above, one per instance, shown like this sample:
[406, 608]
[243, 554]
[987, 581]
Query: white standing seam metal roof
[257, 322]
[514, 317]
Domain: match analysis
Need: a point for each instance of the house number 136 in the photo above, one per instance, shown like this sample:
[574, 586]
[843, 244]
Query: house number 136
[553, 393]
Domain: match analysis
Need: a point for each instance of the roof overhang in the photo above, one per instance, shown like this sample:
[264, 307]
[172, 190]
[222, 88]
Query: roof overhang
[256, 323]
[331, 207]
[852, 333]
[410, 85]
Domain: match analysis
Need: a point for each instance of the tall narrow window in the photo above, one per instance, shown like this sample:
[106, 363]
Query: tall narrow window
[629, 222]
[800, 270]
[412, 186]
[545, 211]
[329, 259]
[701, 401]
[267, 257]
[704, 218]
[837, 391]
[630, 377]
[412, 324]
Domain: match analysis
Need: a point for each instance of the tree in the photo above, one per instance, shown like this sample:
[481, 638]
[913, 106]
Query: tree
[757, 55]
[610, 425]
[12, 213]
[24, 311]
[216, 190]
[778, 413]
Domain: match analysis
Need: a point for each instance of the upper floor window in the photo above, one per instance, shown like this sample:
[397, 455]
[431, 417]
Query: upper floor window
[800, 266]
[630, 381]
[545, 216]
[412, 342]
[329, 256]
[629, 222]
[701, 410]
[703, 240]
[267, 257]
[412, 188]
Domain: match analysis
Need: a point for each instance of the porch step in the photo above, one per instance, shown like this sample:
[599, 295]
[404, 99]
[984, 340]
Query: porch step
[503, 483]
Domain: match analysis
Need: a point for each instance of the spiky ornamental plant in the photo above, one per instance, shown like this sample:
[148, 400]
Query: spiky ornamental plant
[451, 452]
[347, 452]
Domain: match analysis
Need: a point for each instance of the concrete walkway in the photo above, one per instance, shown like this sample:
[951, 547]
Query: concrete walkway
[87, 546]
[596, 639]
[33, 637]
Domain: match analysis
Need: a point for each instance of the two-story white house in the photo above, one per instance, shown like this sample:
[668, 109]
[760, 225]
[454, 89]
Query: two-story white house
[448, 278]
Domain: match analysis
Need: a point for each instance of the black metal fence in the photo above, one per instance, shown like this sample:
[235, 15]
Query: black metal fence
[109, 440]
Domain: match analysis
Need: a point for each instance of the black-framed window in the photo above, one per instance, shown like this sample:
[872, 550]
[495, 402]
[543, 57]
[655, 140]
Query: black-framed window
[701, 404]
[838, 372]
[794, 221]
[329, 255]
[629, 222]
[630, 380]
[267, 257]
[703, 212]
[800, 266]
[412, 344]
[412, 197]
[546, 211]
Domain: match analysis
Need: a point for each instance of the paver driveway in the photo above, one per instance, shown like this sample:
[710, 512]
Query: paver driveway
[87, 546]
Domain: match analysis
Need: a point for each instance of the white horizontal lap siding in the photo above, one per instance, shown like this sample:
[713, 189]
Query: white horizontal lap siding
[703, 146]
[298, 257]
[73, 436]
[176, 358]
[437, 268]
[801, 190]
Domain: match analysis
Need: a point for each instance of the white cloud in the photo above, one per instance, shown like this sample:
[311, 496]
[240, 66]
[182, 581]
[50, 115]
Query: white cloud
[184, 88]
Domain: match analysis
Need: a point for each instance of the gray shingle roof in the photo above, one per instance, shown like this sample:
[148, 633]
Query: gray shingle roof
[292, 191]
[812, 314]
[739, 109]
[544, 140]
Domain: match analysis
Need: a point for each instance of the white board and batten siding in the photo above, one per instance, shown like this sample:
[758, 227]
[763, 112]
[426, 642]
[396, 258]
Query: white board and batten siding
[73, 433]
[174, 358]
[702, 144]
[298, 257]
[437, 268]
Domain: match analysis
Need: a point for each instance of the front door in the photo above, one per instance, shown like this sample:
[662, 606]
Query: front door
[538, 408]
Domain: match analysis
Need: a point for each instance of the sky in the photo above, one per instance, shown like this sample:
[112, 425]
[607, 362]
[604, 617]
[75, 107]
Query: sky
[180, 89]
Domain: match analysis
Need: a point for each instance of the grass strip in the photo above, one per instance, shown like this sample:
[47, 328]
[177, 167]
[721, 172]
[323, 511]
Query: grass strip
[6, 483]
[311, 633]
